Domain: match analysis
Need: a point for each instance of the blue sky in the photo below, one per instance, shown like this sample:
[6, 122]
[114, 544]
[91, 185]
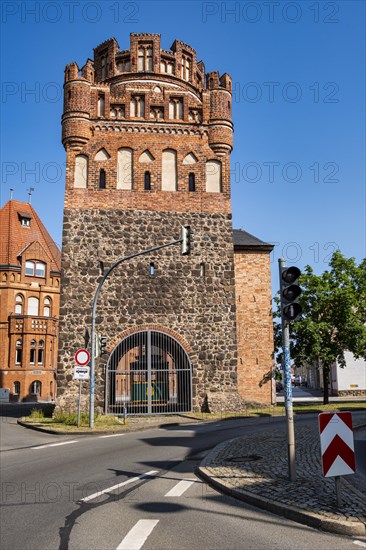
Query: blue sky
[298, 165]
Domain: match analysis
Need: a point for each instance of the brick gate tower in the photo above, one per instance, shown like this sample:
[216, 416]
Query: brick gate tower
[148, 136]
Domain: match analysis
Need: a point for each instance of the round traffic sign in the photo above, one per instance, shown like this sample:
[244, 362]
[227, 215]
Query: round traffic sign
[82, 357]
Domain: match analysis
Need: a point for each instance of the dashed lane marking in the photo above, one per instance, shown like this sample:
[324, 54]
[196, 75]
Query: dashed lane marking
[54, 444]
[110, 435]
[114, 487]
[136, 537]
[180, 488]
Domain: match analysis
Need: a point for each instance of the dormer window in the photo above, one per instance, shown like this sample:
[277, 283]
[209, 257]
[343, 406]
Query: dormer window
[25, 219]
[25, 222]
[37, 269]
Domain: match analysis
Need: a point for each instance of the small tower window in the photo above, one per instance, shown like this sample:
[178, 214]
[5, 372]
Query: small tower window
[147, 181]
[102, 179]
[176, 109]
[191, 182]
[25, 221]
[144, 58]
[152, 269]
[16, 388]
[101, 103]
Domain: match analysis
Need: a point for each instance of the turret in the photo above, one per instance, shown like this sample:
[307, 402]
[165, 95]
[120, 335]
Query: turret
[220, 124]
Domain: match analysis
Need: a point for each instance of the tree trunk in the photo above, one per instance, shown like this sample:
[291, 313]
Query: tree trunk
[325, 384]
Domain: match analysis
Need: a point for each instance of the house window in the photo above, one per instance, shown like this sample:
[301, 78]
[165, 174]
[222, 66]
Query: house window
[147, 181]
[33, 306]
[40, 354]
[29, 268]
[102, 184]
[19, 304]
[18, 352]
[16, 388]
[32, 355]
[191, 182]
[40, 269]
[47, 307]
[36, 388]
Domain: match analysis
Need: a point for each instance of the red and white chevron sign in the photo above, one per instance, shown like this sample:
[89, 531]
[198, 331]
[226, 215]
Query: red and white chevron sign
[336, 442]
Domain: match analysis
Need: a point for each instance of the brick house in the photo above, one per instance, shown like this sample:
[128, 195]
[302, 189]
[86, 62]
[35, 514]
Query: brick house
[30, 292]
[148, 135]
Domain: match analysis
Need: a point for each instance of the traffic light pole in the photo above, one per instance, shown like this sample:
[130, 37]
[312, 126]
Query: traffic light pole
[288, 389]
[94, 308]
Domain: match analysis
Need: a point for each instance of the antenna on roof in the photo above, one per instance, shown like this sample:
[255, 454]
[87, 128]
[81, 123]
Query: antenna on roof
[30, 191]
[11, 193]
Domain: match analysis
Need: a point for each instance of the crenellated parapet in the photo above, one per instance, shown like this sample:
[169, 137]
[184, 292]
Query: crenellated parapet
[122, 99]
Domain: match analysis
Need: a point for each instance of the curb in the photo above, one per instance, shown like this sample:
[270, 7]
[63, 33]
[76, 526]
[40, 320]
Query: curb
[125, 431]
[317, 521]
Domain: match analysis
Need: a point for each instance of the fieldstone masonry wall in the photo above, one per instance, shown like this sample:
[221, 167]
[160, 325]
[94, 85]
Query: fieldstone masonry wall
[199, 308]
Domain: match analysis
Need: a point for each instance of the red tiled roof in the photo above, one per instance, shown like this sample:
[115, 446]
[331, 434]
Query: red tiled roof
[14, 237]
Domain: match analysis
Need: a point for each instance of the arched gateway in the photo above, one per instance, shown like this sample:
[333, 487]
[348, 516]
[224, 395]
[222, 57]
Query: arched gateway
[148, 372]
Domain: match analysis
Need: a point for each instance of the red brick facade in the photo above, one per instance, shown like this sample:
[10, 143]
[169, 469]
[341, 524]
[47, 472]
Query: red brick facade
[29, 290]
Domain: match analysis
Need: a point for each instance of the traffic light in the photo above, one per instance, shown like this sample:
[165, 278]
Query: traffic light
[102, 344]
[185, 236]
[290, 292]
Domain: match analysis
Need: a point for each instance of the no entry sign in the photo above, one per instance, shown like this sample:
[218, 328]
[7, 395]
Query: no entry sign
[336, 442]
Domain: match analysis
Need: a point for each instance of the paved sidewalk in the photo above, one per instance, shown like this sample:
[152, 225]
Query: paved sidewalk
[255, 469]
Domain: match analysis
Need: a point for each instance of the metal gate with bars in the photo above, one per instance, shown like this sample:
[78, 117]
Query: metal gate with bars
[148, 372]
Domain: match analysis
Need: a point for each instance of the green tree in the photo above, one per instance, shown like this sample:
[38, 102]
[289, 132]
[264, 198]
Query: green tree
[333, 319]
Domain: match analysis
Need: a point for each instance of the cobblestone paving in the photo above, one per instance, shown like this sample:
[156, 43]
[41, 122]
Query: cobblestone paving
[257, 466]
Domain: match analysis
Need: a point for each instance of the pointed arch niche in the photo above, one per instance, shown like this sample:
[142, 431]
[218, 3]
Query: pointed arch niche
[190, 159]
[102, 155]
[146, 157]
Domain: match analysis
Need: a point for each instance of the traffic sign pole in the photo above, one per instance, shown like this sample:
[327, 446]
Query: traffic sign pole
[79, 404]
[288, 390]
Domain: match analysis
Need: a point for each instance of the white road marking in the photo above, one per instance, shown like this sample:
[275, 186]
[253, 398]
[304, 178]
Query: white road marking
[360, 543]
[136, 537]
[54, 444]
[180, 488]
[110, 435]
[130, 480]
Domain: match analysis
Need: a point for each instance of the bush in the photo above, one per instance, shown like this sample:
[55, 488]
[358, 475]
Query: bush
[37, 414]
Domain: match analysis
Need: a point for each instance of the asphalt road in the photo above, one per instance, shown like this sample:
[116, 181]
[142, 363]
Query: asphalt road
[132, 491]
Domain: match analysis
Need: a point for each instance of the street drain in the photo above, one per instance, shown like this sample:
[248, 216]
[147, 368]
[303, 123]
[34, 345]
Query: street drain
[246, 458]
